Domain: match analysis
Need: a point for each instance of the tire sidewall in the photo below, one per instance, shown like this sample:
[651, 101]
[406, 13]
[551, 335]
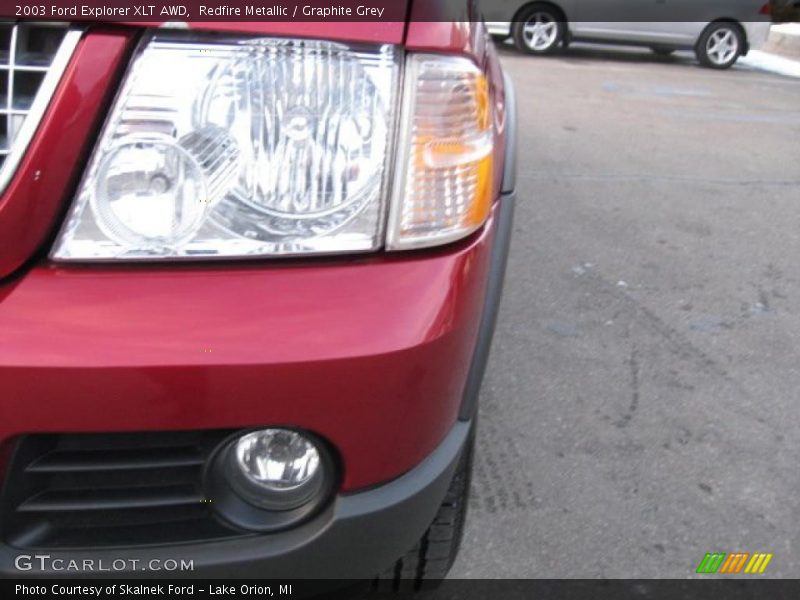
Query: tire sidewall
[702, 45]
[518, 30]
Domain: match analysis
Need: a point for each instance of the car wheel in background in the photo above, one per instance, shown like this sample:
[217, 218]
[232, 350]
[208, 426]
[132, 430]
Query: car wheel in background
[539, 30]
[720, 45]
[429, 561]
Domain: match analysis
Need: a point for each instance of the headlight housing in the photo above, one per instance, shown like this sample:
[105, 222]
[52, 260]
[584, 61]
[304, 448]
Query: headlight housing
[267, 147]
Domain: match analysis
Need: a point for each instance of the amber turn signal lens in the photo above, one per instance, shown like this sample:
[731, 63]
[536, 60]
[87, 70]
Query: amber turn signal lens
[444, 181]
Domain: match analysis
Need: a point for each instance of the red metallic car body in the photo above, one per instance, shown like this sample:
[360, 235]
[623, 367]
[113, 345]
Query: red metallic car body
[384, 370]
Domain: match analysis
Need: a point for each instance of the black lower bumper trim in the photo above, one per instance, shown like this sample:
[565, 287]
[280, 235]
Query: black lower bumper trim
[491, 307]
[355, 538]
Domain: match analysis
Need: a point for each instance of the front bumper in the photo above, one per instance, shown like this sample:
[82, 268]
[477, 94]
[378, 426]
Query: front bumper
[375, 355]
[371, 354]
[380, 413]
[356, 537]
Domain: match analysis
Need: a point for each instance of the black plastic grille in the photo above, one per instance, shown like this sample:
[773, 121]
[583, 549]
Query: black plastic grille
[103, 490]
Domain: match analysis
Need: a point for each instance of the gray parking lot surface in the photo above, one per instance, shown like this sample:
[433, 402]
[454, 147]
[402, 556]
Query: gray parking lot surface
[642, 402]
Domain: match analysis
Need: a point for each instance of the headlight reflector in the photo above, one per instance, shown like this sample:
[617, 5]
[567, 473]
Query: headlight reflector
[154, 191]
[249, 148]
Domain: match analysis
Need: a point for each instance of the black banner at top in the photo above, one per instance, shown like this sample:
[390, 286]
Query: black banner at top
[187, 11]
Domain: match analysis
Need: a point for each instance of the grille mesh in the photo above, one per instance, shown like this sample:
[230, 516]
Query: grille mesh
[28, 54]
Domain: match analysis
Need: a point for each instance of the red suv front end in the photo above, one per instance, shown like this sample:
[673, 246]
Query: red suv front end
[248, 281]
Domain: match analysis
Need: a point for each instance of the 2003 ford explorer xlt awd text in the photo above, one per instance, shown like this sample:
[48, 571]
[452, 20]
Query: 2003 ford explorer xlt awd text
[248, 280]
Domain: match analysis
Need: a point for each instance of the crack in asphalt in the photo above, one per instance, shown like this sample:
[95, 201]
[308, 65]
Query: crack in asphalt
[678, 344]
[633, 362]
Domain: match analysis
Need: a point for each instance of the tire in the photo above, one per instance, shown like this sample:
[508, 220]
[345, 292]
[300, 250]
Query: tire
[539, 30]
[720, 46]
[429, 561]
[660, 51]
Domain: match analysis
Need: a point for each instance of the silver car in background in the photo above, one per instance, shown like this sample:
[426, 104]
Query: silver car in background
[719, 31]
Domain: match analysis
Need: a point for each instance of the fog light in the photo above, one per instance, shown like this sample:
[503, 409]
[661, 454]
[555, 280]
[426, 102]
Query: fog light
[276, 469]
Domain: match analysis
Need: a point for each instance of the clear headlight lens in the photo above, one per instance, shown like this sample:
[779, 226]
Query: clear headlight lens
[444, 175]
[282, 147]
[258, 147]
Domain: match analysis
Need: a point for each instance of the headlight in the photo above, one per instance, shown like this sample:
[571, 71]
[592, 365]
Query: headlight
[268, 147]
[249, 148]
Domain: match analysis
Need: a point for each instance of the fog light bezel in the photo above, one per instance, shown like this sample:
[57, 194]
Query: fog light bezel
[232, 502]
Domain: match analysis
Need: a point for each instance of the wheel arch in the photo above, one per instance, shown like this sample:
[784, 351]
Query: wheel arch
[544, 3]
[732, 21]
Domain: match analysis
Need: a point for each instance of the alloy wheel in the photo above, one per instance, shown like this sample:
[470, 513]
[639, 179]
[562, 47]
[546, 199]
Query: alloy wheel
[540, 31]
[722, 46]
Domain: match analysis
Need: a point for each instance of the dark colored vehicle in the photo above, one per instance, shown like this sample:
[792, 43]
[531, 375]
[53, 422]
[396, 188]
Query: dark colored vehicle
[249, 274]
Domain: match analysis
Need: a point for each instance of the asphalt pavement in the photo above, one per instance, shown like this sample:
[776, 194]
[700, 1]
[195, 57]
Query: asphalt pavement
[642, 403]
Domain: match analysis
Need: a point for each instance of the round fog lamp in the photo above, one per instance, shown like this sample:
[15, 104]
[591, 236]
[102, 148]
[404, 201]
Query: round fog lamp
[276, 469]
